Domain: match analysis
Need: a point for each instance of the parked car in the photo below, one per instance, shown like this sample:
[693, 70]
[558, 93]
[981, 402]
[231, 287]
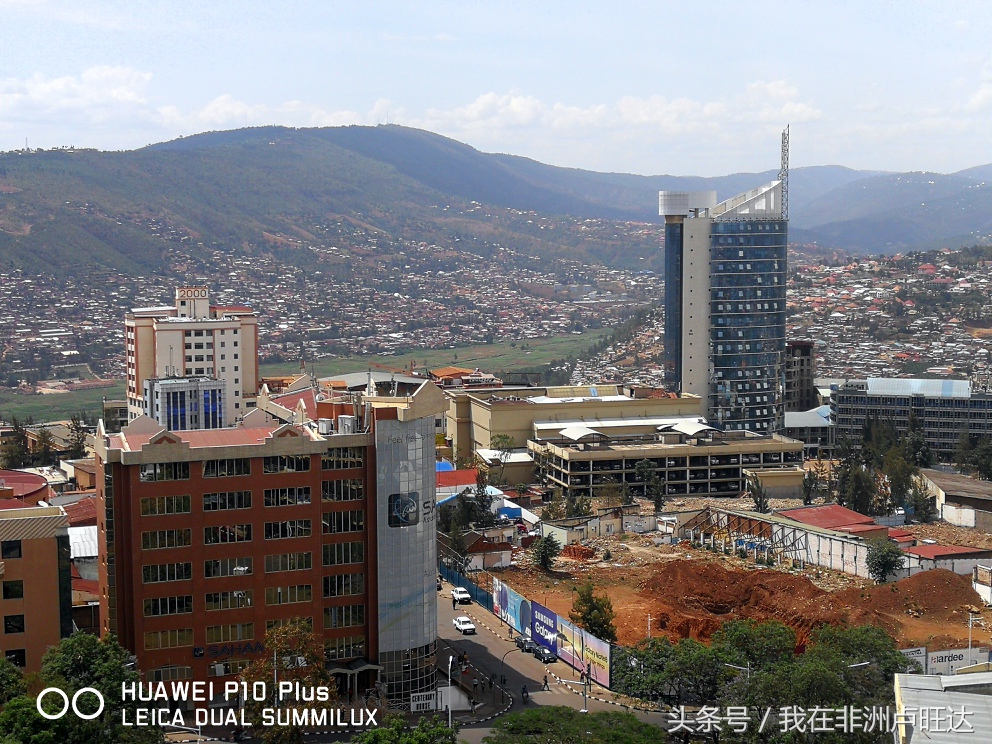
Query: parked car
[525, 644]
[545, 656]
[461, 596]
[464, 625]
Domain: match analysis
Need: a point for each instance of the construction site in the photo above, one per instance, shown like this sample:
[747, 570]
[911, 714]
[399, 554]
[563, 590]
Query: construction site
[683, 591]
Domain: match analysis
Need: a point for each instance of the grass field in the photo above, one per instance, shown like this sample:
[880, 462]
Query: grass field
[489, 357]
[500, 357]
[56, 407]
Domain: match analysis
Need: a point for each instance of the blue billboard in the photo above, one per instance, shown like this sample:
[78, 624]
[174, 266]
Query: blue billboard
[544, 627]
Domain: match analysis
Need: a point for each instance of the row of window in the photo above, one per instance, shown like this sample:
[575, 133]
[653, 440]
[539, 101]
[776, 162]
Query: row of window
[336, 458]
[333, 555]
[334, 586]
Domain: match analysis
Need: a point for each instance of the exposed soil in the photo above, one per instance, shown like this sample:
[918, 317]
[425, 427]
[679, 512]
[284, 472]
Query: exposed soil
[690, 593]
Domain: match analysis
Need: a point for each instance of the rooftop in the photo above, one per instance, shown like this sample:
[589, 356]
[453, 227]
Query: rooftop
[959, 485]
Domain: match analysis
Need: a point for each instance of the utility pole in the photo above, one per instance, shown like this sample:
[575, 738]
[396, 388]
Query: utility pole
[649, 625]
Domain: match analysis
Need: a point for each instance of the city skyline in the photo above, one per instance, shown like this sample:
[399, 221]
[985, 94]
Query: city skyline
[643, 88]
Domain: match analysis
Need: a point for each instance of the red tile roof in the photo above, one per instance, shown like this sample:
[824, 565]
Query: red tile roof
[452, 478]
[15, 504]
[940, 551]
[828, 516]
[24, 484]
[204, 437]
[82, 513]
[290, 401]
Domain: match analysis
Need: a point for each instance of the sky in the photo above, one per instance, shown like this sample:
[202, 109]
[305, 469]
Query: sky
[690, 88]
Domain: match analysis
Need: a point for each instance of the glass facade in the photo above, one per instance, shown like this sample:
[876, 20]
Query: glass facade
[407, 555]
[673, 305]
[747, 324]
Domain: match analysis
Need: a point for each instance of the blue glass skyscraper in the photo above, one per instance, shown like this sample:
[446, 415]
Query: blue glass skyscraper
[725, 273]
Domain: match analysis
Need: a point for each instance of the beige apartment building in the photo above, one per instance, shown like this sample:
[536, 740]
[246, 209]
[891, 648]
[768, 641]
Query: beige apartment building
[35, 582]
[193, 339]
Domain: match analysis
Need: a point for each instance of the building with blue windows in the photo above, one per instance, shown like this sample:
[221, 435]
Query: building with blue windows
[725, 274]
[184, 403]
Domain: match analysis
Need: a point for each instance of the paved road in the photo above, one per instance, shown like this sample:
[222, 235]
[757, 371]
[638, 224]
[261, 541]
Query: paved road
[487, 651]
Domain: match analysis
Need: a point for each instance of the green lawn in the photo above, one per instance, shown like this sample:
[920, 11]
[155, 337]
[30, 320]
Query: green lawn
[489, 357]
[56, 407]
[499, 357]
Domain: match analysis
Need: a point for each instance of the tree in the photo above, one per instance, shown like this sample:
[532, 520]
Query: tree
[884, 558]
[861, 490]
[811, 484]
[14, 453]
[560, 725]
[647, 473]
[483, 515]
[395, 730]
[556, 508]
[899, 473]
[758, 494]
[758, 644]
[11, 682]
[83, 660]
[545, 550]
[294, 653]
[924, 505]
[77, 438]
[503, 444]
[44, 455]
[593, 613]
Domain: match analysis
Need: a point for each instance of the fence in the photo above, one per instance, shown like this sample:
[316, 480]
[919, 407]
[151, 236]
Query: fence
[479, 595]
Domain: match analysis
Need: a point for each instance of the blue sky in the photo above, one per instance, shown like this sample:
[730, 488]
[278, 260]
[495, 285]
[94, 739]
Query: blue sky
[688, 88]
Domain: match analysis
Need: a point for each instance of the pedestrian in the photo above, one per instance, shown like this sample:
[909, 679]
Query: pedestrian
[475, 686]
[582, 676]
[454, 603]
[546, 685]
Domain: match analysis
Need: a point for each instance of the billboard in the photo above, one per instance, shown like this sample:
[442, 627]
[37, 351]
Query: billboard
[945, 662]
[544, 627]
[511, 607]
[918, 654]
[580, 649]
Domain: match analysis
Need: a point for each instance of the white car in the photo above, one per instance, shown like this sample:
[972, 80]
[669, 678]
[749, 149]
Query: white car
[461, 596]
[464, 625]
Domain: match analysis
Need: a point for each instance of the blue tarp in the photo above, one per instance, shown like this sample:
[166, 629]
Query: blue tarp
[443, 466]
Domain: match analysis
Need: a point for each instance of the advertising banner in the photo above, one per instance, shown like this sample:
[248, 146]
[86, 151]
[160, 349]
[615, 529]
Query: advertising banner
[544, 627]
[511, 608]
[580, 649]
[918, 654]
[945, 662]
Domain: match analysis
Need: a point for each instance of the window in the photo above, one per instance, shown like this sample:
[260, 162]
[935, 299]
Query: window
[227, 567]
[342, 458]
[13, 624]
[342, 490]
[287, 496]
[344, 617]
[13, 589]
[343, 553]
[157, 505]
[17, 656]
[288, 562]
[229, 600]
[288, 528]
[159, 539]
[234, 533]
[227, 666]
[227, 501]
[233, 632]
[225, 468]
[286, 464]
[10, 549]
[306, 622]
[164, 471]
[278, 595]
[170, 673]
[162, 572]
[349, 647]
[176, 638]
[348, 521]
[344, 585]
[181, 605]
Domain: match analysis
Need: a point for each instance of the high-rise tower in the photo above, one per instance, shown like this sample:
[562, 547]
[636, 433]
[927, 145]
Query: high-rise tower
[725, 274]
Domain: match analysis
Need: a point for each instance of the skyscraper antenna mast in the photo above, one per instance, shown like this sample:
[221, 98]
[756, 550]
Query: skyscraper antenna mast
[783, 175]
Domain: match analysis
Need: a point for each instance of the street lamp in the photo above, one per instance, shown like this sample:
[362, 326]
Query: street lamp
[743, 669]
[562, 638]
[451, 661]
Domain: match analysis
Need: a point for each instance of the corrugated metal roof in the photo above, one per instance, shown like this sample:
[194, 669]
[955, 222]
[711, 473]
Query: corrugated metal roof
[83, 542]
[929, 388]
